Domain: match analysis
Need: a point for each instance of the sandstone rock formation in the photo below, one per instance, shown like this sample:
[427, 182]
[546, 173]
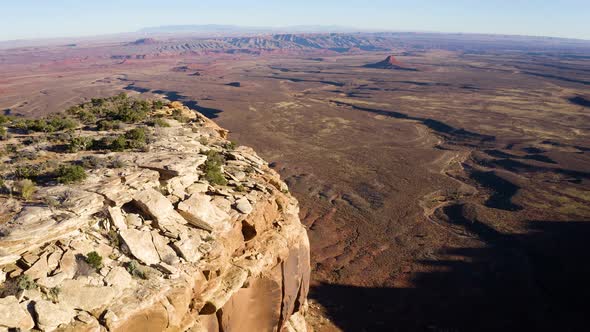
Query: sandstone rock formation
[390, 63]
[178, 253]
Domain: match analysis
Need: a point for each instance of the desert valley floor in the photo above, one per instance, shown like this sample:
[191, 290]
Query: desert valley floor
[446, 191]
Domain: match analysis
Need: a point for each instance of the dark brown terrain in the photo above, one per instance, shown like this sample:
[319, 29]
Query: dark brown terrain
[446, 188]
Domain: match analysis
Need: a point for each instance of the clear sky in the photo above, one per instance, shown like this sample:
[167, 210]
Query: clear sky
[25, 19]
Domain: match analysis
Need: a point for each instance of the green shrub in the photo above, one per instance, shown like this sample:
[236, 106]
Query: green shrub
[24, 282]
[106, 125]
[4, 119]
[103, 143]
[136, 138]
[135, 270]
[67, 174]
[27, 172]
[3, 133]
[94, 259]
[56, 123]
[157, 104]
[159, 122]
[230, 145]
[53, 293]
[25, 188]
[129, 111]
[79, 144]
[118, 144]
[62, 123]
[212, 168]
[97, 102]
[113, 237]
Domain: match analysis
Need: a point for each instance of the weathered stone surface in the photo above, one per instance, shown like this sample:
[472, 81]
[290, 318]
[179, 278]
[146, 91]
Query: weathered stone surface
[221, 289]
[39, 269]
[244, 206]
[53, 259]
[239, 248]
[13, 315]
[237, 314]
[188, 248]
[79, 295]
[166, 253]
[200, 212]
[198, 187]
[158, 207]
[141, 246]
[119, 278]
[50, 315]
[117, 218]
[68, 264]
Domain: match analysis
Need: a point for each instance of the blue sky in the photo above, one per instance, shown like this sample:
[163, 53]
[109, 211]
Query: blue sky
[25, 19]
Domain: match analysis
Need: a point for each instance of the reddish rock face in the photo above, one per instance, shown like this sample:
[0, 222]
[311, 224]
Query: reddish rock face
[393, 61]
[390, 63]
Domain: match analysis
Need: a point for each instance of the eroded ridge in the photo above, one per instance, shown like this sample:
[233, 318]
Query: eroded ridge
[152, 221]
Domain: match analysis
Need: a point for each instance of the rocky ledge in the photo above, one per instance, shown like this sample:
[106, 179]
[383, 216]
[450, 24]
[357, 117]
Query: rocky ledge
[151, 242]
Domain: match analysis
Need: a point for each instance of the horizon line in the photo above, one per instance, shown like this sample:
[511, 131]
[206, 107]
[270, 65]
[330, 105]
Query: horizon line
[270, 28]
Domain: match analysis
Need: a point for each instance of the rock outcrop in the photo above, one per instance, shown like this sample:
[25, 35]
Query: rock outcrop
[175, 251]
[390, 63]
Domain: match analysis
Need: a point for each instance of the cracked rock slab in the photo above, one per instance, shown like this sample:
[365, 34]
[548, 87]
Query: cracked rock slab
[140, 245]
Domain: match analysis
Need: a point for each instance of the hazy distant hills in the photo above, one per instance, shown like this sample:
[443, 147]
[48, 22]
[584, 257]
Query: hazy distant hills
[234, 29]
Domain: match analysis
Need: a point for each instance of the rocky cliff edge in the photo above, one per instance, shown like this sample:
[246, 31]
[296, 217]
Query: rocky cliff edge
[148, 243]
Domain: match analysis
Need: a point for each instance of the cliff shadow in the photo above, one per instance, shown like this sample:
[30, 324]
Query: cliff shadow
[211, 113]
[516, 282]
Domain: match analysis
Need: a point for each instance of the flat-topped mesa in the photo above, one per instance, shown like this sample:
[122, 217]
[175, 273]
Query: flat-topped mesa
[155, 222]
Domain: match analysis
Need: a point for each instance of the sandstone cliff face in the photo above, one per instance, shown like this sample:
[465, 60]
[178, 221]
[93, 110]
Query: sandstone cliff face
[178, 253]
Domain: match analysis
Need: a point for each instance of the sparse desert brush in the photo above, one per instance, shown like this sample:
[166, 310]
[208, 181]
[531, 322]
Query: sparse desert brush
[212, 168]
[77, 144]
[24, 282]
[94, 259]
[25, 188]
[159, 122]
[136, 138]
[47, 125]
[107, 125]
[68, 174]
[30, 172]
[118, 144]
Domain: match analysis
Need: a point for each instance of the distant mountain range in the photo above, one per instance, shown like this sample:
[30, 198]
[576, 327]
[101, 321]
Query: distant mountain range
[218, 28]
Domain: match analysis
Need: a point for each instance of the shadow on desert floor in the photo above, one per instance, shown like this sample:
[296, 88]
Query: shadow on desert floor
[517, 282]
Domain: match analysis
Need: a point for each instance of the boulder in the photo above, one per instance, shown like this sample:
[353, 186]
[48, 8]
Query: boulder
[50, 315]
[166, 253]
[68, 265]
[158, 207]
[39, 269]
[117, 218]
[119, 278]
[188, 248]
[244, 206]
[200, 212]
[13, 315]
[140, 245]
